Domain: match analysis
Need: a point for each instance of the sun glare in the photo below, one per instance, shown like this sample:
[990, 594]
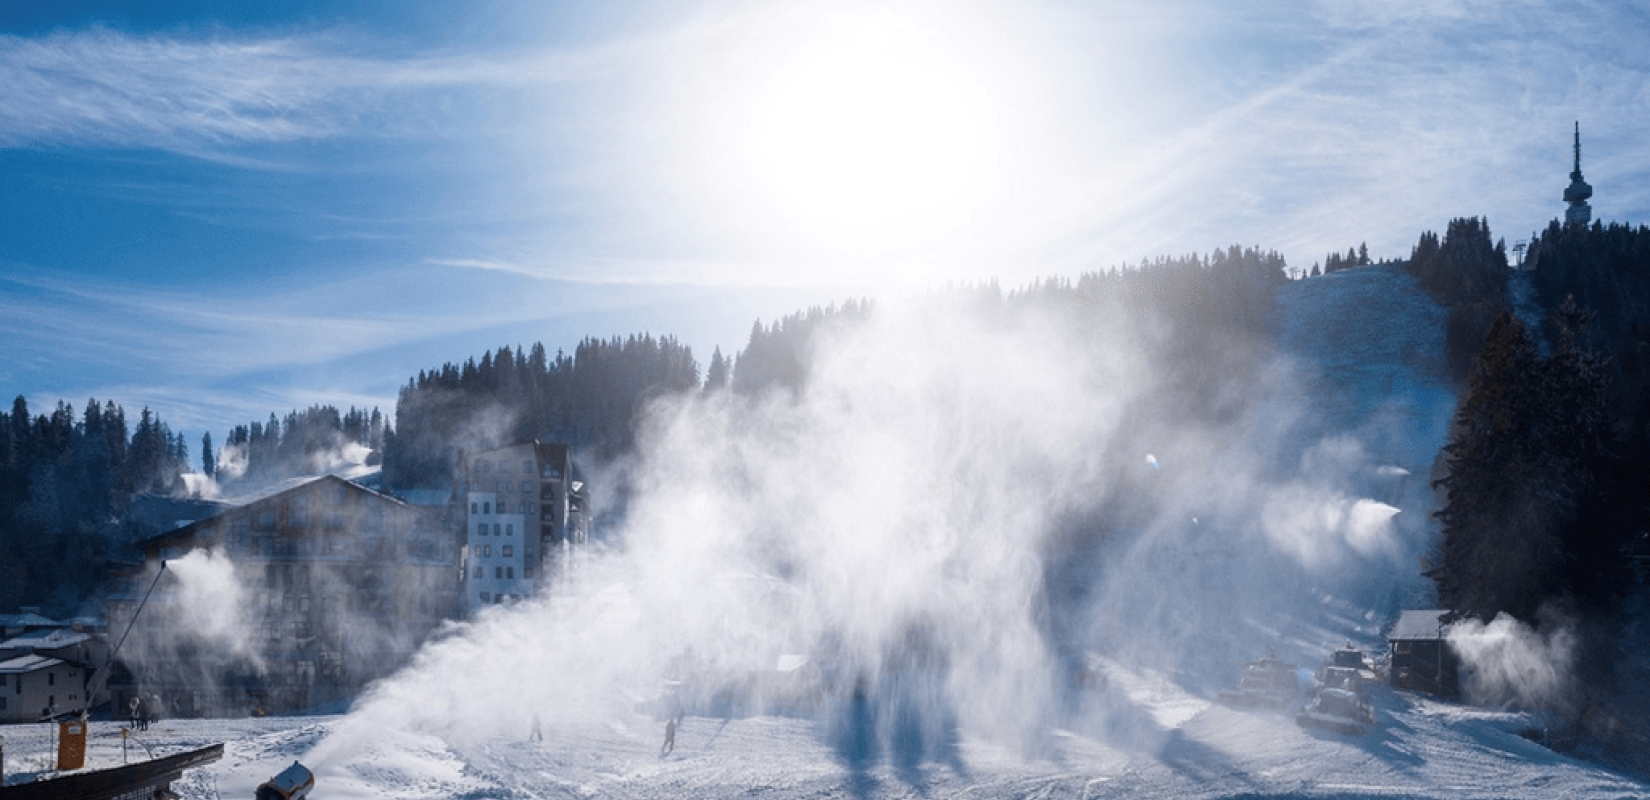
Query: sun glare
[869, 134]
[849, 132]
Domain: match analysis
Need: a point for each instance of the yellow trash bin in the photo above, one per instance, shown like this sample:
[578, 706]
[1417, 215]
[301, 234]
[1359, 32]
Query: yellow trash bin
[71, 745]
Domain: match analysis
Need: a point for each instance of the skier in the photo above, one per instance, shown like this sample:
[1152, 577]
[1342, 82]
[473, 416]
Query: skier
[670, 738]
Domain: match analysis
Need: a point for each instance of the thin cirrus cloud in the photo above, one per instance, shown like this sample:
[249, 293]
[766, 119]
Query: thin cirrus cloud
[110, 89]
[116, 323]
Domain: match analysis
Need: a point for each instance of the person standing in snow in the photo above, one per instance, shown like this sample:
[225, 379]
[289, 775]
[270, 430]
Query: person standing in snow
[670, 737]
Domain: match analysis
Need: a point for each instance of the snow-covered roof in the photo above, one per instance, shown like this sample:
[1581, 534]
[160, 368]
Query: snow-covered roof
[28, 619]
[426, 497]
[45, 640]
[28, 663]
[1418, 625]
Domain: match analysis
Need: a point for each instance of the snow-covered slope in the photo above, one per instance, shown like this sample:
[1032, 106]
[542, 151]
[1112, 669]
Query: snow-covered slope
[1422, 749]
[1296, 532]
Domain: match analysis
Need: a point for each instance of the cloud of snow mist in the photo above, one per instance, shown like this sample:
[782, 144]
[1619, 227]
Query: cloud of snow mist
[1319, 521]
[1508, 663]
[887, 523]
[199, 606]
[231, 463]
[953, 518]
[209, 602]
[342, 458]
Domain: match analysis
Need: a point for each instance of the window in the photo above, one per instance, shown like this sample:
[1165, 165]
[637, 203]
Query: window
[481, 529]
[486, 508]
[473, 506]
[486, 466]
[503, 466]
[526, 487]
[527, 571]
[495, 529]
[487, 550]
[527, 466]
[486, 597]
[51, 679]
[510, 573]
[475, 550]
[478, 573]
[509, 551]
[498, 573]
[509, 529]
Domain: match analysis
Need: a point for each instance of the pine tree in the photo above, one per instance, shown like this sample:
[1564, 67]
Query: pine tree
[1528, 516]
[716, 376]
[209, 460]
[1498, 551]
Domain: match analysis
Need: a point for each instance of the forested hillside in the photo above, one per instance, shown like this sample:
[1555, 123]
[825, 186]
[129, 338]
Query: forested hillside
[66, 481]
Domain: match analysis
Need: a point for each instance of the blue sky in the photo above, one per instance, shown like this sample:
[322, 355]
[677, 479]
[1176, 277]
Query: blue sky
[222, 210]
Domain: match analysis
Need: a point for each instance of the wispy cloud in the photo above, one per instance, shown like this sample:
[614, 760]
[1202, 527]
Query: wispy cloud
[195, 96]
[489, 266]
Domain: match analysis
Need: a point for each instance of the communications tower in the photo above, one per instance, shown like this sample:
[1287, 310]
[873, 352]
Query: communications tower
[1579, 213]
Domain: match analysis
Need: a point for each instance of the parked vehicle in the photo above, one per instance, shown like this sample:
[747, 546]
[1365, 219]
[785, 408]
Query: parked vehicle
[1267, 683]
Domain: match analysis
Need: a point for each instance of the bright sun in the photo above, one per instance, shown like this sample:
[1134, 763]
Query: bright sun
[863, 136]
[857, 133]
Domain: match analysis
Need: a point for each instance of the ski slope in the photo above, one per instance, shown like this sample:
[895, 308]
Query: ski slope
[1421, 749]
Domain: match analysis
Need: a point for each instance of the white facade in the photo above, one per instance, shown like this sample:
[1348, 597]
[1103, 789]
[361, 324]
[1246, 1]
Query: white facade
[498, 556]
[33, 686]
[521, 511]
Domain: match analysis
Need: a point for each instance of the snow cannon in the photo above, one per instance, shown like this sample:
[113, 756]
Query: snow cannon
[293, 783]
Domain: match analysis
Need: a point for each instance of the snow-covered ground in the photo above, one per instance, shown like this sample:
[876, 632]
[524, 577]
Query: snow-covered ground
[1296, 530]
[1421, 748]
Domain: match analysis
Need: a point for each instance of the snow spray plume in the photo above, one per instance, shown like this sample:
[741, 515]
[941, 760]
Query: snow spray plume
[885, 524]
[952, 516]
[1507, 663]
[201, 607]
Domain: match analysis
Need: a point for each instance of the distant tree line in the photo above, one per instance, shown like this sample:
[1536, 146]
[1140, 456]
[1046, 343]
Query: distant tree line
[303, 444]
[1467, 275]
[1217, 305]
[66, 481]
[777, 354]
[593, 398]
[589, 400]
[1335, 262]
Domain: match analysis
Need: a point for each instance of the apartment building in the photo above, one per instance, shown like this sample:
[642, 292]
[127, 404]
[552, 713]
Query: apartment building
[523, 514]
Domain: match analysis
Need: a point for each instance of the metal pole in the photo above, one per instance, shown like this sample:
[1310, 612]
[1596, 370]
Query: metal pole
[108, 663]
